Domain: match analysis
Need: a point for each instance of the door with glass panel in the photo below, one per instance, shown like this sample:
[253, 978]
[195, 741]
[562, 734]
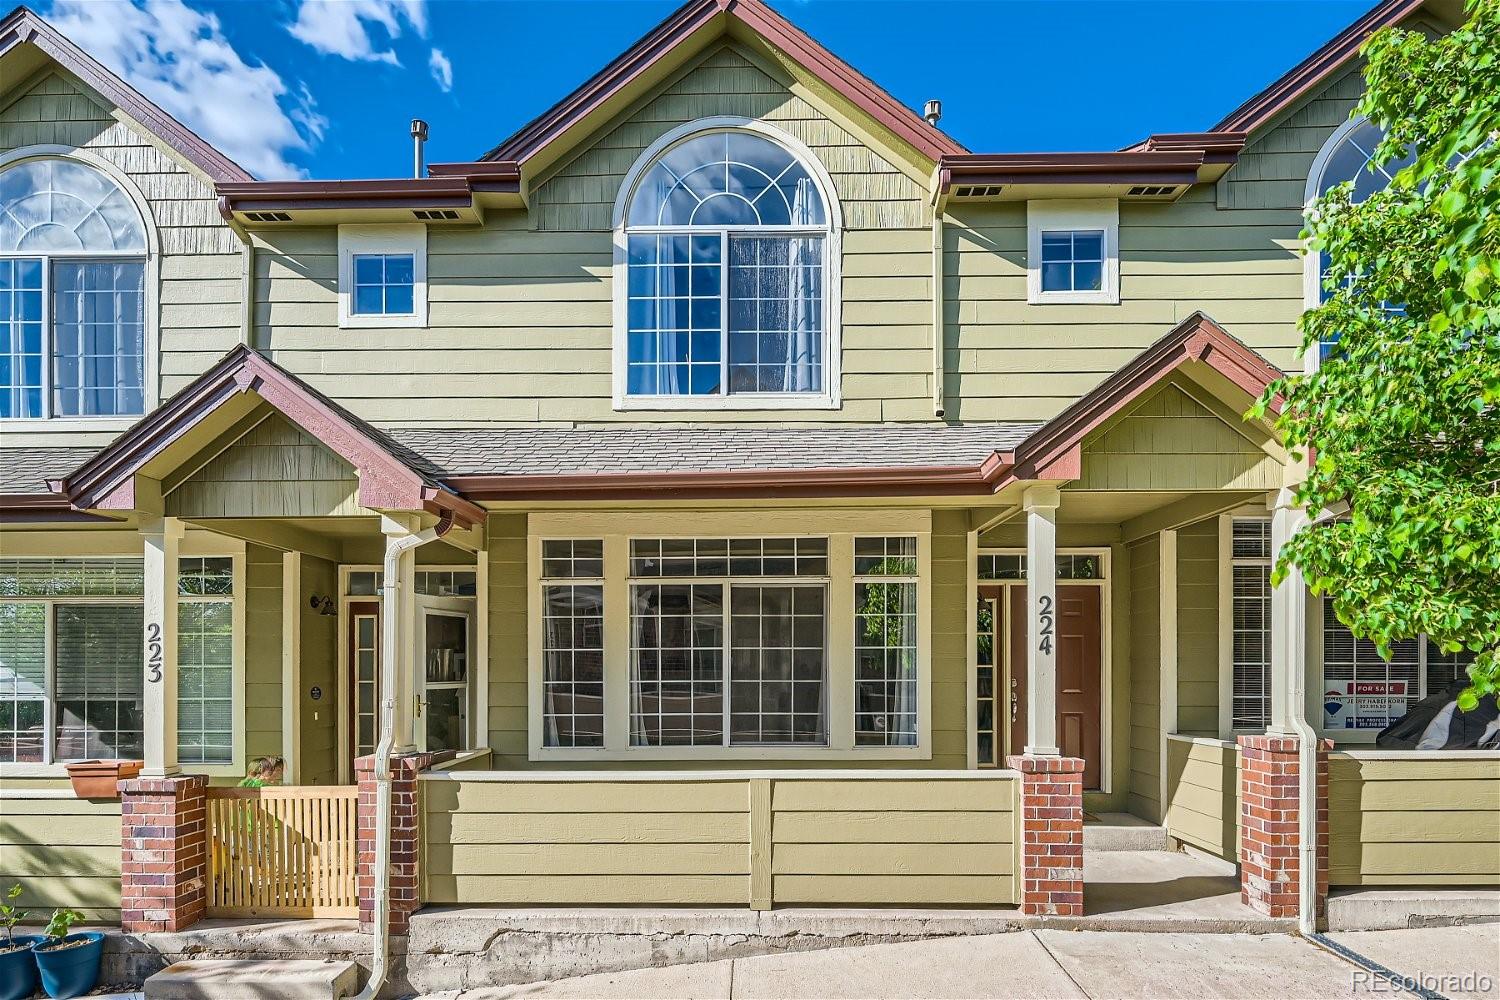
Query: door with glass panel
[443, 699]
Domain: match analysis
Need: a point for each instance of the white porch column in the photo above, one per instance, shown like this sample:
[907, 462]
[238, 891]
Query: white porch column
[399, 632]
[1288, 619]
[1040, 503]
[160, 537]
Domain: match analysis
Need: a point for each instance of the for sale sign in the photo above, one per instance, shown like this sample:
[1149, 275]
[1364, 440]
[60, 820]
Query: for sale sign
[1363, 704]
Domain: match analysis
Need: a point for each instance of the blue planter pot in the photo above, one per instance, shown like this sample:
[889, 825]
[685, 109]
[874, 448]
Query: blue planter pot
[18, 970]
[70, 972]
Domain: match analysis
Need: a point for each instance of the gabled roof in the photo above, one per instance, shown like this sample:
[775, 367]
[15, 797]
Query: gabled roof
[23, 26]
[707, 19]
[1052, 451]
[391, 476]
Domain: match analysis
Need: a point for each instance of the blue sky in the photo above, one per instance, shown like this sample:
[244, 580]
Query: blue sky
[326, 88]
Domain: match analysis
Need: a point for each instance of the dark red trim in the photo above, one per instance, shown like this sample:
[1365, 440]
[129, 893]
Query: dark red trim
[449, 190]
[1176, 166]
[1307, 75]
[700, 15]
[106, 481]
[23, 26]
[41, 508]
[1054, 448]
[945, 480]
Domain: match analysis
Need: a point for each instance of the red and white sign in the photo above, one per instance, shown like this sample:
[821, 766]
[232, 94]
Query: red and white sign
[1363, 704]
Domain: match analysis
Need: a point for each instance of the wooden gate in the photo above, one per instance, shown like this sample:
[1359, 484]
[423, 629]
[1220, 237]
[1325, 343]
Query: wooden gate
[285, 851]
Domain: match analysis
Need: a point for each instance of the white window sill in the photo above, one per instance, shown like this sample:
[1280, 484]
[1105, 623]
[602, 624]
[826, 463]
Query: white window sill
[383, 323]
[1105, 298]
[745, 401]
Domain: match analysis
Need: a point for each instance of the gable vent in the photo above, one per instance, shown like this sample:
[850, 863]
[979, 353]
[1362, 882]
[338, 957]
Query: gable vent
[977, 191]
[268, 217]
[1152, 190]
[435, 214]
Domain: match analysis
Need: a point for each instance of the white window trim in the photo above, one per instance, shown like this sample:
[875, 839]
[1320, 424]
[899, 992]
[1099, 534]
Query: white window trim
[831, 398]
[1105, 583]
[195, 545]
[1073, 214]
[1227, 562]
[382, 239]
[151, 389]
[616, 530]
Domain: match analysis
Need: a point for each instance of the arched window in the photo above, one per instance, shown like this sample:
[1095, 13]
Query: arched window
[726, 236]
[1347, 156]
[72, 293]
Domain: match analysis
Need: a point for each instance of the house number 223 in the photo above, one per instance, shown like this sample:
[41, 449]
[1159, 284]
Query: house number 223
[1044, 623]
[153, 652]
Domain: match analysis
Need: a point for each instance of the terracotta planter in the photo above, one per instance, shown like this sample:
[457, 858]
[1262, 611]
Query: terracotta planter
[99, 779]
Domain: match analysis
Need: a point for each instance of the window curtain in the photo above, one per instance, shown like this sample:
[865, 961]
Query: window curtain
[804, 319]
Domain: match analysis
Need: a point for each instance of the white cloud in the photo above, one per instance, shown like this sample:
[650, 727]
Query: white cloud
[179, 58]
[343, 27]
[442, 69]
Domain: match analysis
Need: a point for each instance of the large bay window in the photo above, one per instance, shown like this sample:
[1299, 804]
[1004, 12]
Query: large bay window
[781, 645]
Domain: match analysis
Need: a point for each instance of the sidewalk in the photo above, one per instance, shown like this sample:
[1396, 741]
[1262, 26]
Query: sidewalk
[1061, 964]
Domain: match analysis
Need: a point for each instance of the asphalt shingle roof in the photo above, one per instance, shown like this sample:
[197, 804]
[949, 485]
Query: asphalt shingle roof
[26, 470]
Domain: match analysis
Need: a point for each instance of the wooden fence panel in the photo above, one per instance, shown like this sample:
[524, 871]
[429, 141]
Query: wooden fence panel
[284, 851]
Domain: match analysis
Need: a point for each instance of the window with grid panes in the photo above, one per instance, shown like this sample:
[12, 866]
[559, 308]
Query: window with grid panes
[573, 643]
[885, 641]
[726, 241]
[1250, 627]
[729, 641]
[205, 660]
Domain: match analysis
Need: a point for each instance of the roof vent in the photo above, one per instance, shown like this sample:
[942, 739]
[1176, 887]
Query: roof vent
[932, 111]
[1152, 190]
[977, 191]
[268, 217]
[435, 214]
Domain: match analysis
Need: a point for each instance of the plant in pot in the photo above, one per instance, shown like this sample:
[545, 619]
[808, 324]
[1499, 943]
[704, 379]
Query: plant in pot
[17, 967]
[68, 963]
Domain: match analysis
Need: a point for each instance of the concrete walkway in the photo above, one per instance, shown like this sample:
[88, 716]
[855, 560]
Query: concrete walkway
[1062, 964]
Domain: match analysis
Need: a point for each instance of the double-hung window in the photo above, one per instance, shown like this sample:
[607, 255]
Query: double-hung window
[1247, 605]
[205, 661]
[72, 293]
[726, 297]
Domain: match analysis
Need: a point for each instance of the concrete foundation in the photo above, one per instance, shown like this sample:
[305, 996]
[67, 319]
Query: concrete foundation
[1392, 909]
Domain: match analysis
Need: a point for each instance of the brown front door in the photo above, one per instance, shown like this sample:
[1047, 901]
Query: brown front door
[1078, 674]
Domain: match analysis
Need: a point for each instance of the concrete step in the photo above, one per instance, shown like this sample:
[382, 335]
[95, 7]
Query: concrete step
[1380, 909]
[1122, 832]
[254, 979]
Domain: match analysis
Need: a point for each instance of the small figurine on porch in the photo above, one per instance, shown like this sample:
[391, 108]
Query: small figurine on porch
[264, 771]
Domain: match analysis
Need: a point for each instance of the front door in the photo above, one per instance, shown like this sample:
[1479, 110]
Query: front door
[1079, 677]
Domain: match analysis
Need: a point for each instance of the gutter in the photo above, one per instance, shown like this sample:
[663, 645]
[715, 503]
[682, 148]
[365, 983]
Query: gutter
[390, 645]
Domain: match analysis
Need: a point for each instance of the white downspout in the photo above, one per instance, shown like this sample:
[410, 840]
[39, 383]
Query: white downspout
[390, 657]
[1307, 747]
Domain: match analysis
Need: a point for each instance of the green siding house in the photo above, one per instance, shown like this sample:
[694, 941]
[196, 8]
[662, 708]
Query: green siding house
[727, 490]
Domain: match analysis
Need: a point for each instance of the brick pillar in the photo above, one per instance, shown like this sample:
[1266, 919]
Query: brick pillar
[406, 835]
[1051, 835]
[1269, 838]
[163, 852]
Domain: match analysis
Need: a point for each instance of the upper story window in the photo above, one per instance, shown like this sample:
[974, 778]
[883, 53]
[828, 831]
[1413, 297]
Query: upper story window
[383, 276]
[1072, 251]
[73, 254]
[726, 296]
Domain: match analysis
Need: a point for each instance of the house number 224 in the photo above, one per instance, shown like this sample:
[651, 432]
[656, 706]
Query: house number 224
[153, 652]
[1044, 623]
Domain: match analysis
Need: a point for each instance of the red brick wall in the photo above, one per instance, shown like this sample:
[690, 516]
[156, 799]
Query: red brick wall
[1051, 834]
[406, 840]
[163, 852]
[1269, 830]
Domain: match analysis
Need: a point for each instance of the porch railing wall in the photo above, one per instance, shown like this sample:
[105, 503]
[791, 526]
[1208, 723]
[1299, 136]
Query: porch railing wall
[726, 838]
[1203, 794]
[63, 850]
[1414, 818]
[282, 851]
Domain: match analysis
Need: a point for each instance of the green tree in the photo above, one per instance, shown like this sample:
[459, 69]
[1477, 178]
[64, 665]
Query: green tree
[1402, 420]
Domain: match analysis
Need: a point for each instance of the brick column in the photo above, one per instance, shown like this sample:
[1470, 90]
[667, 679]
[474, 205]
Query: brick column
[1051, 835]
[1269, 838]
[406, 835]
[163, 852]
